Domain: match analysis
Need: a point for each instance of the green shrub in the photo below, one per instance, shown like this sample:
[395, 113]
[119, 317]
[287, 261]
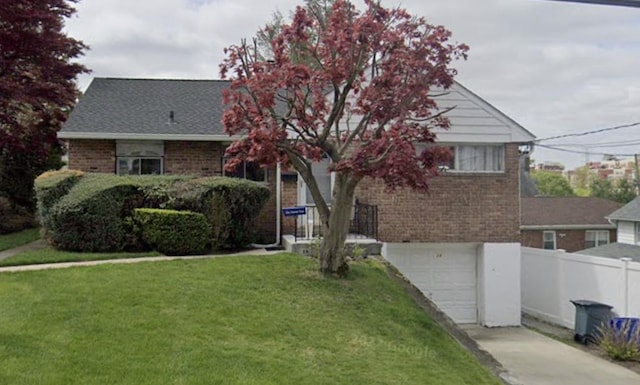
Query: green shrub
[622, 344]
[230, 205]
[14, 218]
[173, 232]
[50, 187]
[93, 216]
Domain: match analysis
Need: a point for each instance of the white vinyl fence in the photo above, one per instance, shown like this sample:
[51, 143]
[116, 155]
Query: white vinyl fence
[550, 279]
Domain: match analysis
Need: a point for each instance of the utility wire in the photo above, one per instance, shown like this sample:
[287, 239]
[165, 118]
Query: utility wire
[589, 132]
[582, 152]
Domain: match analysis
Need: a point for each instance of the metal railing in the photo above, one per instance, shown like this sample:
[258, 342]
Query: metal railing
[364, 222]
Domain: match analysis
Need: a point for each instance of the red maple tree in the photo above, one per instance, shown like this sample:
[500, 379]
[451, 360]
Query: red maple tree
[37, 88]
[356, 87]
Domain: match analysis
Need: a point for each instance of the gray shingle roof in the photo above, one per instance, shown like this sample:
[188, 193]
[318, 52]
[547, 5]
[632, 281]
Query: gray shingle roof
[142, 106]
[554, 211]
[629, 212]
[614, 250]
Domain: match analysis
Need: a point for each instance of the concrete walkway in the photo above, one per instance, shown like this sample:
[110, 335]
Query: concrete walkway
[531, 358]
[35, 245]
[64, 265]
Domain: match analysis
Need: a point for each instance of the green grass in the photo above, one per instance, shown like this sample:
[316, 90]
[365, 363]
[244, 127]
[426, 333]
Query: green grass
[233, 320]
[9, 241]
[50, 255]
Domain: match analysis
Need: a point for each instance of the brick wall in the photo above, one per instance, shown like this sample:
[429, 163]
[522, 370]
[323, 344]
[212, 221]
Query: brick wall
[289, 199]
[459, 207]
[193, 158]
[92, 155]
[569, 240]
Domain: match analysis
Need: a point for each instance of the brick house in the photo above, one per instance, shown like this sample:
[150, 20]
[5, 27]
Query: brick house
[471, 214]
[567, 223]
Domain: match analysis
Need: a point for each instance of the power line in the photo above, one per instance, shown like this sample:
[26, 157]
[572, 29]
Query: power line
[582, 152]
[589, 132]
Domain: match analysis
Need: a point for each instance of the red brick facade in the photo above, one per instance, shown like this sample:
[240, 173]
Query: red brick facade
[460, 207]
[92, 155]
[569, 240]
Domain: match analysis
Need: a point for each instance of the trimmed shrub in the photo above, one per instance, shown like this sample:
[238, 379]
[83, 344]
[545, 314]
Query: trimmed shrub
[230, 205]
[94, 215]
[173, 232]
[50, 187]
[14, 218]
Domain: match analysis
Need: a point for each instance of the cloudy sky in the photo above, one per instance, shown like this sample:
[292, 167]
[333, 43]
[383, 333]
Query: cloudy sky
[554, 67]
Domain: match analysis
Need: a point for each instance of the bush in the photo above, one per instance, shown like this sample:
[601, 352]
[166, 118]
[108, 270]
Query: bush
[621, 342]
[50, 187]
[230, 205]
[94, 215]
[173, 232]
[14, 218]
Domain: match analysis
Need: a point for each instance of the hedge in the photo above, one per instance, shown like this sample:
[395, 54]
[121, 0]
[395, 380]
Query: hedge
[95, 215]
[173, 232]
[231, 206]
[50, 188]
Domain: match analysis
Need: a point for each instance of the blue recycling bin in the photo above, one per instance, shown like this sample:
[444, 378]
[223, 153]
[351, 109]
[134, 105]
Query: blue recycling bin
[628, 325]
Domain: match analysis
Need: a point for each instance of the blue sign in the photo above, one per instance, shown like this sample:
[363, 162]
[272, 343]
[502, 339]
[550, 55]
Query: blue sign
[294, 211]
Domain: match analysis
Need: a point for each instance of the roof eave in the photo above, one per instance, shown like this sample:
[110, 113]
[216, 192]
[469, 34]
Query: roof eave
[129, 136]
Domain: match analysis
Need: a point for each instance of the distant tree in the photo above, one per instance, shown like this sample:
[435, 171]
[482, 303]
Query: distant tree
[620, 191]
[552, 184]
[37, 89]
[377, 69]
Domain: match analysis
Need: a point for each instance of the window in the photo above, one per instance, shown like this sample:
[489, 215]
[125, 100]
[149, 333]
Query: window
[476, 158]
[549, 240]
[637, 228]
[246, 170]
[596, 238]
[139, 157]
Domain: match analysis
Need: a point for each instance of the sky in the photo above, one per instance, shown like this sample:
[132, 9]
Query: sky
[556, 68]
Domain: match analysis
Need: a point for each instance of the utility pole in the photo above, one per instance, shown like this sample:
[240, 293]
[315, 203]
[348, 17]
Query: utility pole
[637, 176]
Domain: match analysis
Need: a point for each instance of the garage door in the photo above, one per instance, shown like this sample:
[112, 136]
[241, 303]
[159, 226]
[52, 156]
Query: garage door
[445, 273]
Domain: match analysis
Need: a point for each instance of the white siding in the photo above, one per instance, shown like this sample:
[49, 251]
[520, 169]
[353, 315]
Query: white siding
[626, 232]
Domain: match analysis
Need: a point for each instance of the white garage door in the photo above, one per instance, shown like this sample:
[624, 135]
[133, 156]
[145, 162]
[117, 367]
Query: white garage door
[445, 273]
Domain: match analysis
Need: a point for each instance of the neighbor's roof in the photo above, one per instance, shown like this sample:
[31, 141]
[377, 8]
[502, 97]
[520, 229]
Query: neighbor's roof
[115, 108]
[614, 250]
[629, 212]
[566, 212]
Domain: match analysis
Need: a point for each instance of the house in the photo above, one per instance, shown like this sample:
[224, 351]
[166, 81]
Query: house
[449, 242]
[627, 221]
[567, 223]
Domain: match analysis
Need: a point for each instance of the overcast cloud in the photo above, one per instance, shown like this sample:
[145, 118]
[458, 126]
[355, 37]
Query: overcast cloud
[553, 67]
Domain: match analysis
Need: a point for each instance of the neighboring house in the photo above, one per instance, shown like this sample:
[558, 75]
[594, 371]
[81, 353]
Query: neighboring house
[465, 229]
[567, 223]
[627, 220]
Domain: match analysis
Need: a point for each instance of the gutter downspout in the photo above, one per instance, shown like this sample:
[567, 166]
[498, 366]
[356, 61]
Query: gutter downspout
[278, 208]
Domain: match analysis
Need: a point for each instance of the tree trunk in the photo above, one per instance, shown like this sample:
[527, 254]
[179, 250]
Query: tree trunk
[332, 258]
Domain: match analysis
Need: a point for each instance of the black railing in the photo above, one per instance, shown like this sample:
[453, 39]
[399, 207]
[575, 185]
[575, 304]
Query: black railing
[364, 222]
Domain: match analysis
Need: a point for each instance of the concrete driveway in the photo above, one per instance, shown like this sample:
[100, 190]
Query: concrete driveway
[534, 359]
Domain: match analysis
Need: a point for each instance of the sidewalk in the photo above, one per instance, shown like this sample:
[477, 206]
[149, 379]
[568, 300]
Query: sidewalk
[534, 359]
[64, 265]
[35, 245]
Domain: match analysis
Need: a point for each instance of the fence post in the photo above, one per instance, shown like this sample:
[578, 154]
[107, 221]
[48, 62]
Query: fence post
[625, 284]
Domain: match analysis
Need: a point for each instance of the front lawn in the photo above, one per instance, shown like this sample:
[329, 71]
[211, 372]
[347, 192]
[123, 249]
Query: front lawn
[9, 241]
[51, 255]
[233, 320]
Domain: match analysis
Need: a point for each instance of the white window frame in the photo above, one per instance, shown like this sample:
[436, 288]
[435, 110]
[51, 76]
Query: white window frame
[454, 166]
[140, 150]
[544, 240]
[600, 237]
[636, 226]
